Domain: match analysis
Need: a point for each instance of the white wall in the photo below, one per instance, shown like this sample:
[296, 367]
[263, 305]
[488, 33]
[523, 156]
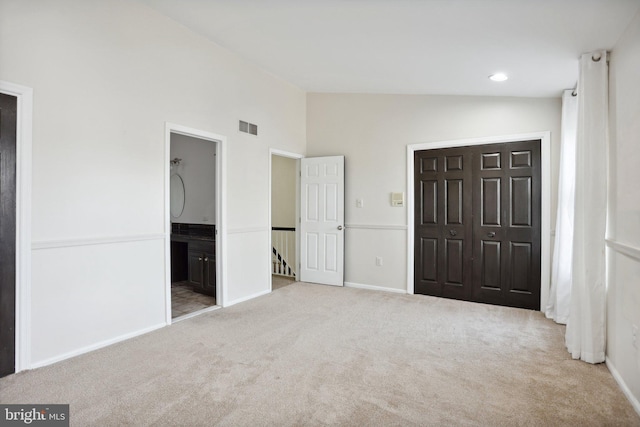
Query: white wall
[106, 77]
[623, 293]
[372, 131]
[197, 169]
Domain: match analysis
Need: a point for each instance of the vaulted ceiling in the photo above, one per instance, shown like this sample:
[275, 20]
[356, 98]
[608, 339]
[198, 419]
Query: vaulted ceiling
[411, 46]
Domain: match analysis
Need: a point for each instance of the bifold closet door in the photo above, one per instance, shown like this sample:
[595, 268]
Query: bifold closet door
[443, 226]
[506, 225]
[8, 135]
[477, 223]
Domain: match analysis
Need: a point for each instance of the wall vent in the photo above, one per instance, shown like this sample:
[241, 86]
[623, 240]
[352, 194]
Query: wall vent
[247, 127]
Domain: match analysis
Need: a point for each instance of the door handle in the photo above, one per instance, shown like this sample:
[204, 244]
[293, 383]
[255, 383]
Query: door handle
[453, 232]
[491, 234]
[339, 227]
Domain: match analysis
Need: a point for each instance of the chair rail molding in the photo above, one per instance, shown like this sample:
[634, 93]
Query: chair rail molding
[623, 248]
[376, 227]
[90, 241]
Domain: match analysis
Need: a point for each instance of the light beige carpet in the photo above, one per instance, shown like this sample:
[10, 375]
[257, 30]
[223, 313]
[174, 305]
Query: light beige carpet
[311, 355]
[278, 282]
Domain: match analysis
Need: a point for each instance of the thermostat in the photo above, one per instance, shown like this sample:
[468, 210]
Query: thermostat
[397, 200]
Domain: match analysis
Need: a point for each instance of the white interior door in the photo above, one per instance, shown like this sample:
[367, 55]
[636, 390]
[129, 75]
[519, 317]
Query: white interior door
[322, 220]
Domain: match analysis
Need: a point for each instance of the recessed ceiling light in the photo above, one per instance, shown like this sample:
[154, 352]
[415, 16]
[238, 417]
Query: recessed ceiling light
[498, 77]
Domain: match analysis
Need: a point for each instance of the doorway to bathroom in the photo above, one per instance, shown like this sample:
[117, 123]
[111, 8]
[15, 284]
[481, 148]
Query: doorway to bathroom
[194, 221]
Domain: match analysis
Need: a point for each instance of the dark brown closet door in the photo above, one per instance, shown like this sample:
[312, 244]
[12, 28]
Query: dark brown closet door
[477, 223]
[443, 223]
[506, 225]
[8, 107]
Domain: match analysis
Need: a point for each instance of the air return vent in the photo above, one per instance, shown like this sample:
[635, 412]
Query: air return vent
[247, 127]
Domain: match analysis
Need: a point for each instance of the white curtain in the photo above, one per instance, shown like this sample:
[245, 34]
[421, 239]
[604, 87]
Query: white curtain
[560, 294]
[585, 335]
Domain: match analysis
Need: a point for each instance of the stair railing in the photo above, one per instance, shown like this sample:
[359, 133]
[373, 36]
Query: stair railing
[283, 242]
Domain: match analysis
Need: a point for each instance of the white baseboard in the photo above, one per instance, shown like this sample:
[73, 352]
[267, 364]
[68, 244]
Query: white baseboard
[374, 288]
[616, 375]
[95, 346]
[247, 298]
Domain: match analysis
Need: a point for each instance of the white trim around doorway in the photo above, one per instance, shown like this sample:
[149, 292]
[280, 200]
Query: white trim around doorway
[221, 216]
[296, 156]
[545, 235]
[23, 220]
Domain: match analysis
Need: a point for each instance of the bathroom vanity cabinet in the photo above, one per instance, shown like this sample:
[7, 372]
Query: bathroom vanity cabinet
[193, 256]
[202, 266]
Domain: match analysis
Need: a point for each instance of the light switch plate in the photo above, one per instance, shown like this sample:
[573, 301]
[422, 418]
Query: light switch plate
[359, 203]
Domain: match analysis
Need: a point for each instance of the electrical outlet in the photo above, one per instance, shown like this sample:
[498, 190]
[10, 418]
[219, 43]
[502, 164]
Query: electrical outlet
[634, 336]
[379, 261]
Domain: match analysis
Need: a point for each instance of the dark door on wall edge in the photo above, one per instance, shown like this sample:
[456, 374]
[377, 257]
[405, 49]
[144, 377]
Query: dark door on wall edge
[478, 223]
[8, 109]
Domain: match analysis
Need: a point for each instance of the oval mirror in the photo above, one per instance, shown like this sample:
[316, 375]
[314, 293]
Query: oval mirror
[176, 195]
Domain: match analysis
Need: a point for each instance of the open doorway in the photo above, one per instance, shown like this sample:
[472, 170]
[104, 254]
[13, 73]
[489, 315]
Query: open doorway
[194, 221]
[284, 199]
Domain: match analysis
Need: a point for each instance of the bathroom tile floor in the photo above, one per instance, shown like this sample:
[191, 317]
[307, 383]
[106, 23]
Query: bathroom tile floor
[185, 300]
